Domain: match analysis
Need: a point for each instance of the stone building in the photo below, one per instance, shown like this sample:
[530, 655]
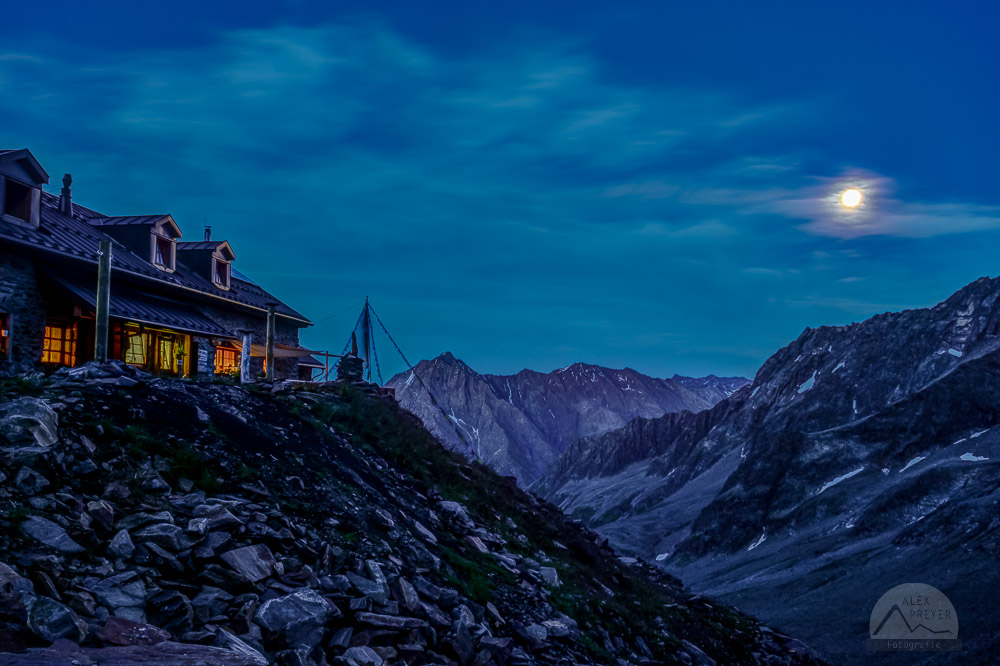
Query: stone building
[177, 308]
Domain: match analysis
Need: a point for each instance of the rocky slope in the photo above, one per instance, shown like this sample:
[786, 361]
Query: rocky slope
[860, 457]
[149, 521]
[518, 424]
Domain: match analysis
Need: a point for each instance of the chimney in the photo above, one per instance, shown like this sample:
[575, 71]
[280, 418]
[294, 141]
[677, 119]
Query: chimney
[65, 198]
[208, 232]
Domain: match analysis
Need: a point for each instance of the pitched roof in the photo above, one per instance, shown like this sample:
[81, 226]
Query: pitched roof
[145, 308]
[24, 156]
[207, 245]
[77, 238]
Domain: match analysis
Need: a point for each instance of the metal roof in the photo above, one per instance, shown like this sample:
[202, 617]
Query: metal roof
[145, 308]
[126, 220]
[75, 237]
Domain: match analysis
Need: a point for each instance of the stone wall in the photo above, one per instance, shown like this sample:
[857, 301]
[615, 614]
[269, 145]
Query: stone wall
[22, 300]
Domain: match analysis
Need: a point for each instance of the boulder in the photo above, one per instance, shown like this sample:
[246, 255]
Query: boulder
[121, 545]
[29, 420]
[50, 620]
[253, 563]
[124, 590]
[298, 617]
[30, 482]
[121, 631]
[550, 576]
[166, 536]
[50, 534]
[229, 642]
[363, 656]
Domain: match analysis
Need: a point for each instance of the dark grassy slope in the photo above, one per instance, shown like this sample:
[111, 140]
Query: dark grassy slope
[336, 465]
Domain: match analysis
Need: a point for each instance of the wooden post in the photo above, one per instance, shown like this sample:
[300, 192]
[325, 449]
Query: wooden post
[245, 376]
[103, 302]
[269, 354]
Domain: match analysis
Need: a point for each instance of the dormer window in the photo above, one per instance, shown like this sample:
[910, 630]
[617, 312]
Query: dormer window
[164, 252]
[17, 200]
[221, 273]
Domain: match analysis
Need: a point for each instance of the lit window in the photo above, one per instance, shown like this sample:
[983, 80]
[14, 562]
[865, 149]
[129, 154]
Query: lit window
[4, 335]
[59, 345]
[220, 273]
[227, 361]
[136, 344]
[163, 252]
[17, 200]
[166, 353]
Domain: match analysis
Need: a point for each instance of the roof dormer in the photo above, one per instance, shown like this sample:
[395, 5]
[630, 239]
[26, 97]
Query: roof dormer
[21, 180]
[152, 236]
[212, 259]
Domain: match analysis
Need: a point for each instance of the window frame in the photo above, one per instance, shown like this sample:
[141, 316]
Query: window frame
[68, 343]
[223, 280]
[7, 181]
[157, 252]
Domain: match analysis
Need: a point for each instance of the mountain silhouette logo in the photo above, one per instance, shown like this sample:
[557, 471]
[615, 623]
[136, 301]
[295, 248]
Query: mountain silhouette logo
[913, 617]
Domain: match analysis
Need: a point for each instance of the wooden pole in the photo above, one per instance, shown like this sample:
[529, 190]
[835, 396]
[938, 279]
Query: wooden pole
[103, 302]
[269, 354]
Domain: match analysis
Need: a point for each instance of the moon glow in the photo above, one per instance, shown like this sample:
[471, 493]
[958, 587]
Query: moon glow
[851, 198]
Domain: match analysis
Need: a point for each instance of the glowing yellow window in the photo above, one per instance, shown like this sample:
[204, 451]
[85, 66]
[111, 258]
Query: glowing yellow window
[59, 345]
[227, 360]
[136, 344]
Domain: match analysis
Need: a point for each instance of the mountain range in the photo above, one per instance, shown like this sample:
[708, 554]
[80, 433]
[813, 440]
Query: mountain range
[519, 424]
[860, 457]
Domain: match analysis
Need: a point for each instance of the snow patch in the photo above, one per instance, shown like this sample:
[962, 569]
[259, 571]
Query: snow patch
[981, 432]
[754, 392]
[409, 380]
[839, 366]
[763, 537]
[955, 352]
[808, 384]
[842, 477]
[911, 463]
[661, 557]
[885, 471]
[968, 457]
[959, 441]
[854, 405]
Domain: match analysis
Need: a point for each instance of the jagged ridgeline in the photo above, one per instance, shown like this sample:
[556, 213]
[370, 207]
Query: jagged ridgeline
[520, 424]
[860, 457]
[152, 521]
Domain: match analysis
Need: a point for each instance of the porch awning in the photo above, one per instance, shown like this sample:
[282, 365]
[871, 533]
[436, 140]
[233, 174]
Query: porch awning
[141, 307]
[280, 351]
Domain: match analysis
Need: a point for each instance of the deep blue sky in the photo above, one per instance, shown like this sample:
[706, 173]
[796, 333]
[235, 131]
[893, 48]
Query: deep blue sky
[652, 185]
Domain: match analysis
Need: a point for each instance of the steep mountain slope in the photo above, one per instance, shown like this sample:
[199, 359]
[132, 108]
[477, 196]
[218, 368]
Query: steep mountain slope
[170, 523]
[518, 424]
[860, 457]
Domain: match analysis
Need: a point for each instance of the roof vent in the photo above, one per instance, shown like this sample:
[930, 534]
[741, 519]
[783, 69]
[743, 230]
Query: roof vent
[208, 232]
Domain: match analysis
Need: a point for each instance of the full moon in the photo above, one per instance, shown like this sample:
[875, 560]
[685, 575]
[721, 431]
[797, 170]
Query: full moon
[851, 198]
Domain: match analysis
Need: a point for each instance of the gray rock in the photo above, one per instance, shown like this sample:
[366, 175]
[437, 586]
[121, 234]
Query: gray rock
[537, 632]
[369, 588]
[29, 420]
[210, 602]
[227, 641]
[30, 482]
[50, 620]
[166, 536]
[550, 576]
[424, 532]
[555, 628]
[121, 545]
[298, 617]
[390, 621]
[11, 581]
[102, 512]
[457, 512]
[363, 656]
[121, 590]
[253, 563]
[50, 534]
[405, 594]
[218, 517]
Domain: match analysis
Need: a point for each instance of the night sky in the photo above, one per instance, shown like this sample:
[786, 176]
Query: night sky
[653, 185]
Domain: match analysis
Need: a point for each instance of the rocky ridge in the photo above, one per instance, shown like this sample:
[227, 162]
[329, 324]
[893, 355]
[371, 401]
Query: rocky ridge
[859, 455]
[519, 424]
[150, 521]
